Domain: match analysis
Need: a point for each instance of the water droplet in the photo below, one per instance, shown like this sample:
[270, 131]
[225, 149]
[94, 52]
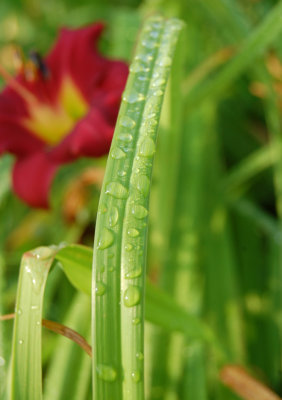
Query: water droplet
[106, 372]
[142, 77]
[106, 239]
[35, 271]
[127, 149]
[136, 67]
[127, 122]
[21, 341]
[2, 361]
[100, 288]
[140, 356]
[136, 376]
[164, 61]
[131, 296]
[121, 173]
[136, 321]
[125, 137]
[34, 307]
[158, 82]
[147, 147]
[150, 44]
[133, 232]
[113, 217]
[101, 269]
[117, 190]
[158, 93]
[142, 183]
[128, 247]
[133, 274]
[19, 311]
[154, 34]
[138, 211]
[42, 252]
[133, 97]
[117, 153]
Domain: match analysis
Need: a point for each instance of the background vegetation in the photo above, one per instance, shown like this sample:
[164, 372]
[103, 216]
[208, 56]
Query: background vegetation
[215, 243]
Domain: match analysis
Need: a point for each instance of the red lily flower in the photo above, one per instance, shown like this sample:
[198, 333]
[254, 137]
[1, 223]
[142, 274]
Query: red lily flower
[68, 110]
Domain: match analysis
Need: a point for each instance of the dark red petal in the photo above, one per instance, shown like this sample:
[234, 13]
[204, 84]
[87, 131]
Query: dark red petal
[12, 105]
[75, 55]
[91, 138]
[115, 76]
[17, 140]
[32, 177]
[14, 138]
[108, 95]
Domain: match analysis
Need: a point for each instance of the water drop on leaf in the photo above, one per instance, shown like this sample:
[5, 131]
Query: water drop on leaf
[133, 274]
[117, 190]
[117, 153]
[100, 288]
[113, 217]
[106, 239]
[147, 147]
[106, 373]
[131, 296]
[127, 122]
[138, 211]
[136, 376]
[133, 232]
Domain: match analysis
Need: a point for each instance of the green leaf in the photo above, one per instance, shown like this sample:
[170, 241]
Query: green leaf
[26, 371]
[121, 229]
[242, 173]
[160, 308]
[76, 261]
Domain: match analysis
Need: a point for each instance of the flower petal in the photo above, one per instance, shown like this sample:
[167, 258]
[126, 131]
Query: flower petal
[75, 56]
[14, 138]
[17, 140]
[91, 137]
[82, 86]
[32, 177]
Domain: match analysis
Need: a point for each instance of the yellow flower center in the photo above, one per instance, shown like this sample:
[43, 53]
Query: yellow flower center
[52, 124]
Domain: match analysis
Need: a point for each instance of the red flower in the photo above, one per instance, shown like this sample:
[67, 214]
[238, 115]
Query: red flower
[67, 111]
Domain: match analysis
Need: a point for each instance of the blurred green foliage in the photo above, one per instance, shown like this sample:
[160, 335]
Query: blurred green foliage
[225, 246]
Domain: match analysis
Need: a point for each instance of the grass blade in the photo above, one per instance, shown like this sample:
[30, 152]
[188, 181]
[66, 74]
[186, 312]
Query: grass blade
[26, 382]
[255, 44]
[121, 229]
[160, 308]
[242, 173]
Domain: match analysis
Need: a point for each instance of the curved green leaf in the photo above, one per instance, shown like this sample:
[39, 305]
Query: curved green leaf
[26, 371]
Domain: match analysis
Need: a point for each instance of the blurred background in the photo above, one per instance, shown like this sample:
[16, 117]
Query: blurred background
[215, 221]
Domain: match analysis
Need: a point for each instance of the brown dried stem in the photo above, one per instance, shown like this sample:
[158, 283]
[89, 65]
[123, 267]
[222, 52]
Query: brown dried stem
[237, 379]
[61, 330]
